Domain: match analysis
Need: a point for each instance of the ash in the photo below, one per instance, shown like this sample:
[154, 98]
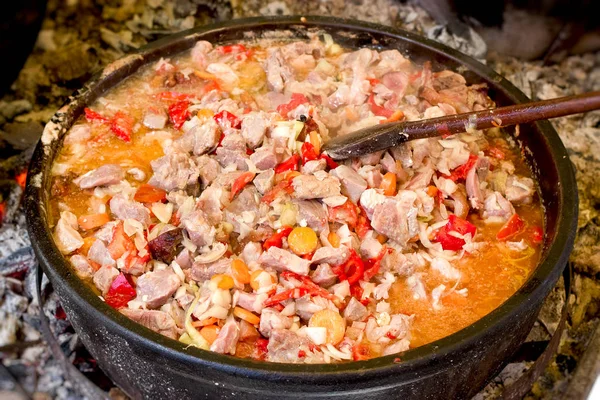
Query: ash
[79, 37]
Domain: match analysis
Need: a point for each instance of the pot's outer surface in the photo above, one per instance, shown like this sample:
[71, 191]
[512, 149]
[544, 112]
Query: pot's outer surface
[148, 365]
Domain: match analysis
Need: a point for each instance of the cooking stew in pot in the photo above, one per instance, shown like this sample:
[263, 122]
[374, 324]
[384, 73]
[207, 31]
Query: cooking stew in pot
[195, 199]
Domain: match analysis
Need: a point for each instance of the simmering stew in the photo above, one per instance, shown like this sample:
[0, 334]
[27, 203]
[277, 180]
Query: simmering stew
[195, 199]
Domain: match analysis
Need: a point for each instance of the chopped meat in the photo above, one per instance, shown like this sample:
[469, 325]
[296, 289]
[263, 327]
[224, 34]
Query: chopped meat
[82, 267]
[444, 267]
[312, 166]
[251, 252]
[66, 237]
[284, 346]
[314, 213]
[156, 287]
[519, 190]
[158, 321]
[227, 339]
[355, 310]
[174, 171]
[184, 259]
[254, 127]
[396, 347]
[324, 275]
[370, 247]
[460, 206]
[309, 187]
[199, 53]
[104, 277]
[271, 319]
[283, 260]
[264, 158]
[234, 141]
[372, 158]
[421, 179]
[99, 254]
[397, 218]
[352, 184]
[370, 199]
[265, 180]
[250, 302]
[105, 233]
[123, 209]
[277, 71]
[472, 182]
[224, 73]
[108, 174]
[200, 232]
[208, 168]
[202, 272]
[497, 206]
[210, 203]
[331, 255]
[200, 139]
[396, 263]
[227, 157]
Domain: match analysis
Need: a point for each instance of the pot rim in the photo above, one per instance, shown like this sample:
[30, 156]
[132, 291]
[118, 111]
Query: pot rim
[57, 267]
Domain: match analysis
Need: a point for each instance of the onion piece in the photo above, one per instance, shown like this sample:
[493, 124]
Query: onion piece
[218, 250]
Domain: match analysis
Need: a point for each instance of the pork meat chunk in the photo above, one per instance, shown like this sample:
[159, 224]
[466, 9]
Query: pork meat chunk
[283, 346]
[324, 275]
[108, 174]
[174, 171]
[82, 267]
[156, 287]
[331, 255]
[254, 128]
[314, 213]
[271, 319]
[355, 310]
[397, 218]
[352, 184]
[66, 237]
[123, 209]
[283, 260]
[200, 232]
[202, 272]
[104, 277]
[227, 339]
[310, 187]
[200, 138]
[158, 321]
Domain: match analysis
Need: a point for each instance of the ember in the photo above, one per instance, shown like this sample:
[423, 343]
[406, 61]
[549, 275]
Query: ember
[67, 51]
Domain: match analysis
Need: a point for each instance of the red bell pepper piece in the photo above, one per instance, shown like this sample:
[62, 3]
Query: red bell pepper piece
[363, 225]
[291, 164]
[121, 125]
[120, 292]
[374, 81]
[312, 288]
[352, 270]
[460, 173]
[173, 96]
[93, 116]
[458, 225]
[120, 242]
[261, 348]
[372, 264]
[330, 163]
[537, 234]
[294, 293]
[308, 152]
[225, 118]
[512, 227]
[377, 109]
[149, 194]
[239, 183]
[496, 152]
[285, 186]
[346, 213]
[295, 101]
[231, 48]
[277, 238]
[178, 113]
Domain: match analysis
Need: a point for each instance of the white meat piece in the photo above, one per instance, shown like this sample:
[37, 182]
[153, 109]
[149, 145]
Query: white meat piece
[227, 339]
[123, 209]
[283, 260]
[271, 319]
[309, 187]
[352, 184]
[156, 287]
[66, 237]
[108, 174]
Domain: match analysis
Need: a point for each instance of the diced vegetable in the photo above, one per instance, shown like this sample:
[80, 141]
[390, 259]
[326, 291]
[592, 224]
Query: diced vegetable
[537, 234]
[257, 276]
[120, 243]
[277, 238]
[296, 100]
[308, 152]
[231, 48]
[223, 281]
[93, 116]
[120, 292]
[458, 225]
[377, 109]
[334, 239]
[346, 213]
[240, 271]
[303, 240]
[315, 140]
[511, 228]
[460, 173]
[149, 194]
[361, 352]
[210, 333]
[283, 187]
[396, 116]
[372, 264]
[352, 270]
[92, 221]
[246, 315]
[332, 321]
[178, 113]
[205, 322]
[388, 184]
[239, 183]
[330, 163]
[291, 164]
[121, 125]
[226, 118]
[173, 96]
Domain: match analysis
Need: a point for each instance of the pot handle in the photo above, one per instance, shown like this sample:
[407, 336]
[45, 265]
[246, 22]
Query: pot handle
[86, 387]
[519, 388]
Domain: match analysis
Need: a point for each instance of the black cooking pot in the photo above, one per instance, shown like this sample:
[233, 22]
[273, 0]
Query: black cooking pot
[146, 364]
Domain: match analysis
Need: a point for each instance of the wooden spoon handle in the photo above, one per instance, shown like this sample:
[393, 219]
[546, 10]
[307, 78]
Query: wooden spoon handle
[384, 136]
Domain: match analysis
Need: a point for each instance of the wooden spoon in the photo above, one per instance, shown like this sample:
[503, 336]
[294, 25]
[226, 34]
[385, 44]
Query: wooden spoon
[384, 136]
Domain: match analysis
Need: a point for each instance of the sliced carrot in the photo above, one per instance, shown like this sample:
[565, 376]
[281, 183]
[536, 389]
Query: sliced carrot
[246, 315]
[120, 243]
[334, 239]
[388, 184]
[205, 75]
[210, 333]
[432, 191]
[223, 281]
[315, 140]
[240, 271]
[87, 243]
[396, 116]
[254, 282]
[91, 221]
[303, 240]
[149, 194]
[205, 322]
[381, 238]
[332, 321]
